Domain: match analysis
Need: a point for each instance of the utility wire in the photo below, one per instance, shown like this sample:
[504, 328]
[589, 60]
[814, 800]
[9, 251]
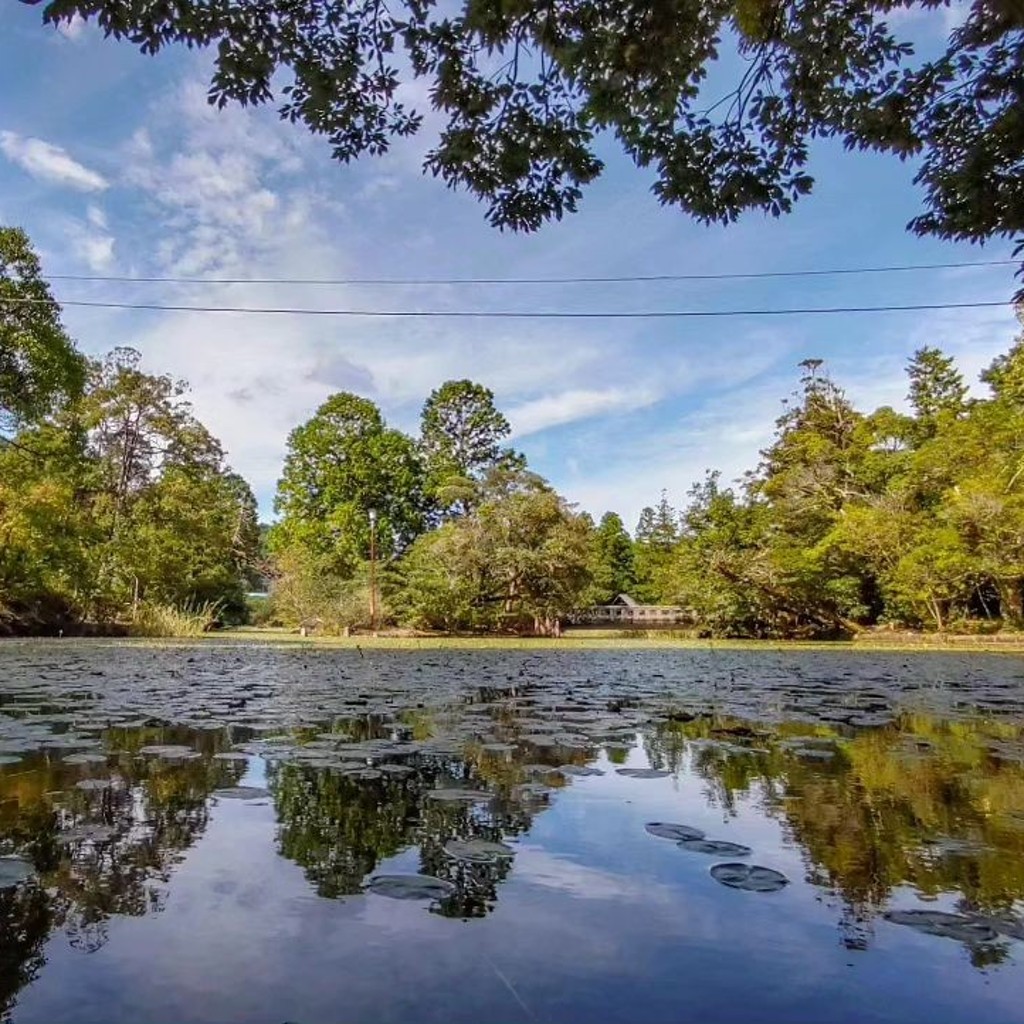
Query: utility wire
[508, 314]
[416, 281]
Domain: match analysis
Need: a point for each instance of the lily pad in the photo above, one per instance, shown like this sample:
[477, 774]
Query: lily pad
[948, 926]
[85, 759]
[814, 753]
[749, 877]
[459, 796]
[93, 785]
[498, 748]
[581, 770]
[530, 791]
[170, 752]
[668, 830]
[87, 833]
[410, 887]
[643, 773]
[231, 755]
[716, 847]
[14, 871]
[1011, 927]
[241, 793]
[9, 759]
[478, 851]
[538, 740]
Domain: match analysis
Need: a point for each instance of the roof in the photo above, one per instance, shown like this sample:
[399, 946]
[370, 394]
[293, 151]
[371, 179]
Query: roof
[626, 600]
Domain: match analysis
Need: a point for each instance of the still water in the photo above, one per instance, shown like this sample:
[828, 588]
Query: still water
[241, 833]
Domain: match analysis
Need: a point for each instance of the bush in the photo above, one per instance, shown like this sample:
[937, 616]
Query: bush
[156, 620]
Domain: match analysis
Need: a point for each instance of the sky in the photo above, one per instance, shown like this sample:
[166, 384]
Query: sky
[115, 164]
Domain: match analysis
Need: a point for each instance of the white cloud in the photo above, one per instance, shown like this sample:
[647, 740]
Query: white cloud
[567, 406]
[49, 163]
[96, 217]
[536, 866]
[97, 250]
[73, 28]
[723, 433]
[612, 411]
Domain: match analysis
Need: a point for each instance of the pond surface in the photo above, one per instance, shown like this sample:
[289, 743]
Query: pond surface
[240, 833]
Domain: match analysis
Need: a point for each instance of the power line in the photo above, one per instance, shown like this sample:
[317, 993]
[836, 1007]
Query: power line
[626, 279]
[507, 314]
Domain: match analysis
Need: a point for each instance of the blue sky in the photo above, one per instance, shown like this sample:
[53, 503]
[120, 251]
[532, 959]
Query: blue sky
[114, 163]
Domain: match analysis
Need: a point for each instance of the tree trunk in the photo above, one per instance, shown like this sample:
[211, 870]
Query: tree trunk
[1011, 599]
[548, 625]
[825, 618]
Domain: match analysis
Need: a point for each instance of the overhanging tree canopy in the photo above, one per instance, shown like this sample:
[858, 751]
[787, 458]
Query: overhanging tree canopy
[526, 89]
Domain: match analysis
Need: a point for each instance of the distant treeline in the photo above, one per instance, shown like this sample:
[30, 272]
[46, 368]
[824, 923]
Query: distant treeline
[117, 509]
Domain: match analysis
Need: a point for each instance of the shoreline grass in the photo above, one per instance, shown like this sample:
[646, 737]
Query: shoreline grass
[581, 640]
[607, 640]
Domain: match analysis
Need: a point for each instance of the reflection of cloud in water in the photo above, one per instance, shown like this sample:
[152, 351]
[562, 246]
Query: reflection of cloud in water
[536, 866]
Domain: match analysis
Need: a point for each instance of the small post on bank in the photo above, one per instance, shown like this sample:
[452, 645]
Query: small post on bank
[373, 571]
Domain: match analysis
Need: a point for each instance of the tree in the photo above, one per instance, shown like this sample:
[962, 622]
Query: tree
[527, 90]
[461, 435]
[342, 463]
[1005, 376]
[444, 581]
[121, 499]
[167, 514]
[138, 425]
[611, 564]
[47, 543]
[657, 533]
[711, 568]
[937, 389]
[815, 463]
[39, 365]
[519, 561]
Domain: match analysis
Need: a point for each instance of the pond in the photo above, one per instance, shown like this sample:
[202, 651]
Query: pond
[241, 833]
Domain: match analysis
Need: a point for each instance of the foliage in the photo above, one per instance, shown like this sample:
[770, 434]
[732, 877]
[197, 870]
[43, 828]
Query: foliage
[519, 561]
[657, 533]
[156, 620]
[307, 592]
[341, 465]
[116, 507]
[39, 365]
[612, 566]
[461, 434]
[526, 91]
[854, 520]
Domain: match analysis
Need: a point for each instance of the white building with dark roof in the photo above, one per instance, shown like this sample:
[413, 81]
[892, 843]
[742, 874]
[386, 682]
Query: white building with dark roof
[626, 612]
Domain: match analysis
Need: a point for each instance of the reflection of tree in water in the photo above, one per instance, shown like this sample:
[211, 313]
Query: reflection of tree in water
[933, 805]
[729, 756]
[98, 853]
[25, 923]
[476, 883]
[339, 828]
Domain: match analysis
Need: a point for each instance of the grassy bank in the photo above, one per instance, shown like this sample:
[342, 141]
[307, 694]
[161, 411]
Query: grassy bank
[611, 639]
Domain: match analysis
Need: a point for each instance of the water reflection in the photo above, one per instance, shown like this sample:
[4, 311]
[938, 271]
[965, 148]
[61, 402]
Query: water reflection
[934, 805]
[887, 811]
[101, 850]
[340, 823]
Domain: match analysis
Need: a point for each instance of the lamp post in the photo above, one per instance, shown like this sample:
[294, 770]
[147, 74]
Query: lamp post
[373, 570]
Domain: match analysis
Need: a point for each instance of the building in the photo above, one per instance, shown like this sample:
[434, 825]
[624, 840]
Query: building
[626, 613]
